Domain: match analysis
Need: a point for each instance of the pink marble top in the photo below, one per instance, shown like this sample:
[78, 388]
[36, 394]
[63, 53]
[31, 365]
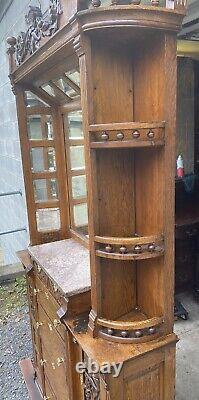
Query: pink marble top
[67, 264]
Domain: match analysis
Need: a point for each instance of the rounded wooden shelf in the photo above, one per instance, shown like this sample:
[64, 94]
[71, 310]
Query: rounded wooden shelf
[130, 241]
[139, 331]
[130, 256]
[135, 248]
[134, 16]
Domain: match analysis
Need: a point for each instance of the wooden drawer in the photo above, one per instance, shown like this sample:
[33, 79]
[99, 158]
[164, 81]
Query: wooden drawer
[50, 306]
[49, 336]
[49, 393]
[56, 375]
[38, 368]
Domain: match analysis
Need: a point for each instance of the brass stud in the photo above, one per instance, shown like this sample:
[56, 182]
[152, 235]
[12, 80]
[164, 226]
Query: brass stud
[110, 331]
[138, 249]
[155, 2]
[120, 136]
[96, 3]
[136, 134]
[104, 136]
[124, 334]
[152, 330]
[108, 248]
[138, 334]
[151, 135]
[151, 247]
[123, 249]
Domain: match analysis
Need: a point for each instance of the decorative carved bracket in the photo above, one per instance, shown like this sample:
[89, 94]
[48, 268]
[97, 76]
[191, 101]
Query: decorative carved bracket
[39, 25]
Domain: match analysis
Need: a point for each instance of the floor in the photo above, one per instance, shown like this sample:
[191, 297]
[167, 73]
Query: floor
[187, 383]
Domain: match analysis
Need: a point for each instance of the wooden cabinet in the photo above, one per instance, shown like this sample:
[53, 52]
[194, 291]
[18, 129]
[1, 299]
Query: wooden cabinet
[107, 294]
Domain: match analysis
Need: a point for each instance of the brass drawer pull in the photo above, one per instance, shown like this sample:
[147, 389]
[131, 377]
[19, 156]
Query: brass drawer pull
[36, 291]
[60, 361]
[38, 324]
[47, 398]
[56, 323]
[50, 327]
[47, 295]
[42, 362]
[53, 365]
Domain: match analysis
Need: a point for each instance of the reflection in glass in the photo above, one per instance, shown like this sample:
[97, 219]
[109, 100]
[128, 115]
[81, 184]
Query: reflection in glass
[79, 186]
[48, 89]
[77, 158]
[80, 215]
[75, 125]
[66, 88]
[32, 100]
[48, 219]
[45, 189]
[74, 76]
[40, 127]
[43, 159]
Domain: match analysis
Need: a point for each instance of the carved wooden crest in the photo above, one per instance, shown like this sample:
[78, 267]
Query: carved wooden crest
[92, 386]
[39, 25]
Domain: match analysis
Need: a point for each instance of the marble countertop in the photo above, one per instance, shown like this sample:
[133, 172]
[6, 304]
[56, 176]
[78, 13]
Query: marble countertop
[66, 263]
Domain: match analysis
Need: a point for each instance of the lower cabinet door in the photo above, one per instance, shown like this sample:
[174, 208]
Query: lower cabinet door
[149, 377]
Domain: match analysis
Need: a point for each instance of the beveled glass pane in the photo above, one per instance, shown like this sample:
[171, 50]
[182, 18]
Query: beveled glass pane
[74, 76]
[75, 125]
[45, 189]
[43, 159]
[48, 89]
[80, 215]
[77, 158]
[40, 127]
[66, 88]
[34, 127]
[48, 219]
[32, 100]
[79, 186]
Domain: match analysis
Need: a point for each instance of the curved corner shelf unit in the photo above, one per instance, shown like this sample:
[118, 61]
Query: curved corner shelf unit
[136, 248]
[131, 331]
[129, 134]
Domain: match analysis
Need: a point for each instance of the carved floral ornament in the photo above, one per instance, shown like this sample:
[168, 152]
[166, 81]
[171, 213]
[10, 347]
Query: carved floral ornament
[92, 386]
[39, 25]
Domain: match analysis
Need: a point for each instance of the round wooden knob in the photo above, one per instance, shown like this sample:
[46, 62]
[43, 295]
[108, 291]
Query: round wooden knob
[108, 248]
[124, 334]
[138, 334]
[150, 134]
[152, 331]
[151, 247]
[123, 249]
[138, 249]
[96, 3]
[120, 136]
[110, 331]
[136, 134]
[105, 136]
